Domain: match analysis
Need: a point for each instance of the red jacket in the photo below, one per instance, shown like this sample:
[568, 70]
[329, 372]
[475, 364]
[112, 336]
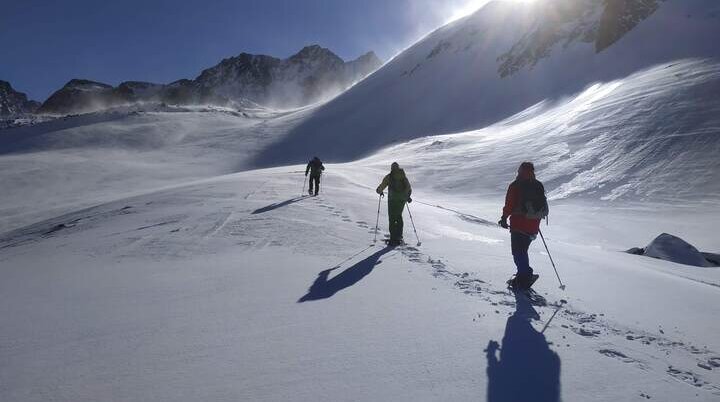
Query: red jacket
[518, 221]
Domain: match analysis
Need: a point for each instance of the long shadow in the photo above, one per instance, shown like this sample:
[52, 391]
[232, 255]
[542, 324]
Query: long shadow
[527, 370]
[324, 288]
[277, 205]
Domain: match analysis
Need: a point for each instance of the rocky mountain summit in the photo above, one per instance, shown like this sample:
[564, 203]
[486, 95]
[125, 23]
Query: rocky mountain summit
[14, 103]
[310, 76]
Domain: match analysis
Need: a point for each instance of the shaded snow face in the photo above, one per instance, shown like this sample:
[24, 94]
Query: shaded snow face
[672, 248]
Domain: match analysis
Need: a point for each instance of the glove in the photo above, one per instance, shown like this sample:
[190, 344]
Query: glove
[381, 193]
[409, 200]
[305, 174]
[503, 223]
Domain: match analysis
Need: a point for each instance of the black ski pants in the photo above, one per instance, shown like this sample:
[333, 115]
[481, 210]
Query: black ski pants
[314, 179]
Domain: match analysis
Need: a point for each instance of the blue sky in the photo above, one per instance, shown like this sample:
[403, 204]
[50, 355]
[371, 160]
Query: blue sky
[46, 43]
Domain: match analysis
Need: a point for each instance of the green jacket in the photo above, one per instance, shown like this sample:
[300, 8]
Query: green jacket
[398, 183]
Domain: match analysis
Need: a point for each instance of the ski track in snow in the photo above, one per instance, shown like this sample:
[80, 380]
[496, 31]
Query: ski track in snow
[584, 324]
[180, 235]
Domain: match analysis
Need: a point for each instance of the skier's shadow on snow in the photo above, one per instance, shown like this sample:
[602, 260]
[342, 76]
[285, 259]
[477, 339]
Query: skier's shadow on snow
[277, 205]
[527, 370]
[324, 288]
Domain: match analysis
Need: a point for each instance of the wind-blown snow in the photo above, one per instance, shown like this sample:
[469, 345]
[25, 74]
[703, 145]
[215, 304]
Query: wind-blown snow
[451, 81]
[137, 264]
[69, 163]
[644, 137]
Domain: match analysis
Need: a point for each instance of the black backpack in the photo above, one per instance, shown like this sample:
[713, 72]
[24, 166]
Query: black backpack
[398, 185]
[533, 202]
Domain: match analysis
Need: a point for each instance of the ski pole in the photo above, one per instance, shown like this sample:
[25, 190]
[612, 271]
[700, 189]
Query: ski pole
[377, 220]
[551, 260]
[413, 225]
[302, 194]
[547, 324]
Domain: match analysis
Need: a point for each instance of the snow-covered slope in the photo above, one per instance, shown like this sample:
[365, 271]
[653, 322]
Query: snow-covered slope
[64, 164]
[238, 289]
[507, 57]
[133, 267]
[651, 137]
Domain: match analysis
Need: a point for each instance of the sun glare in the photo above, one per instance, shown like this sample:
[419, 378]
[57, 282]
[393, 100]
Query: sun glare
[471, 6]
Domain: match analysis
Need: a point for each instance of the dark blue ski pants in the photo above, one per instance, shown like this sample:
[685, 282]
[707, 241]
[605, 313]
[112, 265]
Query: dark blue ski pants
[520, 243]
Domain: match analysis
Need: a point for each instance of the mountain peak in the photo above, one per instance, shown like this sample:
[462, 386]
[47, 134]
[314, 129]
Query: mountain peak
[14, 103]
[314, 49]
[369, 57]
[316, 52]
[83, 84]
[311, 75]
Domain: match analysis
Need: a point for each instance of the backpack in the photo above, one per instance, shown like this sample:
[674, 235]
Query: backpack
[315, 167]
[532, 201]
[398, 185]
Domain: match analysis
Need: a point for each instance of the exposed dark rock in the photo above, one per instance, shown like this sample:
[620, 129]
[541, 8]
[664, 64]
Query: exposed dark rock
[621, 17]
[565, 22]
[79, 96]
[309, 76]
[14, 103]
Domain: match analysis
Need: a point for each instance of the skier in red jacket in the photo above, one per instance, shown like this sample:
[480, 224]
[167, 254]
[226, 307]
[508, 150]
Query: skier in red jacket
[525, 205]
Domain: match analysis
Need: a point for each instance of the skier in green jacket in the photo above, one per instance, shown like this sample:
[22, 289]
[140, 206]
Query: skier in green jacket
[399, 192]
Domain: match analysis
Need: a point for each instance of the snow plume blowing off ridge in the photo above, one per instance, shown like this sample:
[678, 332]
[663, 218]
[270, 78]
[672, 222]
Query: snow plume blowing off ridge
[497, 62]
[246, 81]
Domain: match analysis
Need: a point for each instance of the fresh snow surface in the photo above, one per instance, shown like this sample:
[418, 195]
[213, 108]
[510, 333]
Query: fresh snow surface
[64, 164]
[143, 259]
[238, 288]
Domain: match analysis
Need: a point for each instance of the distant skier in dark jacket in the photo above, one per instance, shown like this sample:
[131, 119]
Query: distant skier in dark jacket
[315, 168]
[399, 192]
[525, 205]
